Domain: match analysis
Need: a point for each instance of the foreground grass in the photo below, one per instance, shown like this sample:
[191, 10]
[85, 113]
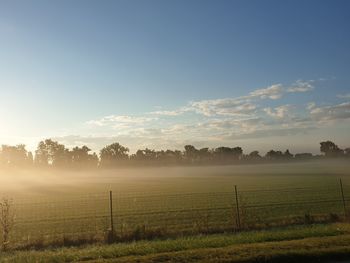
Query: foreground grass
[319, 249]
[312, 240]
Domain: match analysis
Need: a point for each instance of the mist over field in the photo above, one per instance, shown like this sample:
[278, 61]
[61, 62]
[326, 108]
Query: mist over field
[155, 180]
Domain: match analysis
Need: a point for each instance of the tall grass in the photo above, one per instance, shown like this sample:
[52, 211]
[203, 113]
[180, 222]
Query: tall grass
[140, 248]
[6, 222]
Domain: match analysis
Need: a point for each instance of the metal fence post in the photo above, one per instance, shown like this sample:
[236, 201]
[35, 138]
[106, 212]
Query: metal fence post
[111, 210]
[343, 198]
[237, 209]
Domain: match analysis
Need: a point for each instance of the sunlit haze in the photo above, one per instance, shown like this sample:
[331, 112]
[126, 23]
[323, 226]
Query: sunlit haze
[174, 131]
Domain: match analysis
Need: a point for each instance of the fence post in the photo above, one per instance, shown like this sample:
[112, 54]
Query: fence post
[343, 198]
[237, 209]
[111, 210]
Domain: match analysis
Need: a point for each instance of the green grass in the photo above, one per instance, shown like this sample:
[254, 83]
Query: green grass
[296, 241]
[308, 250]
[55, 204]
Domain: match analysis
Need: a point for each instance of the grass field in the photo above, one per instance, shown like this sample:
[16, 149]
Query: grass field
[153, 202]
[312, 243]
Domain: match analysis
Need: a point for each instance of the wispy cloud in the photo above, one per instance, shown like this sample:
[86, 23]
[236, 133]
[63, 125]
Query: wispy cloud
[228, 106]
[169, 112]
[311, 105]
[344, 96]
[330, 113]
[221, 120]
[301, 86]
[120, 121]
[273, 92]
[279, 112]
[246, 105]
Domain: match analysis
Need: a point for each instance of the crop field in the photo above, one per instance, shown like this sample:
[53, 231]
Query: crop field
[166, 201]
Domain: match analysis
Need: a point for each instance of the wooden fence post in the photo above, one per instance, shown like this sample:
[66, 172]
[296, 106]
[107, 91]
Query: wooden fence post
[342, 195]
[237, 209]
[111, 210]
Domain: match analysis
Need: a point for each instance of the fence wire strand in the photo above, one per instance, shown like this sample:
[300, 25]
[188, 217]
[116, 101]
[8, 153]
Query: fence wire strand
[172, 213]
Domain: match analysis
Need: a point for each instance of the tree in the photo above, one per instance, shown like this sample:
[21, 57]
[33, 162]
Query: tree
[254, 155]
[330, 149]
[173, 156]
[146, 156]
[288, 155]
[51, 153]
[205, 155]
[113, 155]
[303, 156]
[274, 155]
[237, 152]
[178, 156]
[227, 154]
[190, 153]
[41, 155]
[14, 156]
[80, 157]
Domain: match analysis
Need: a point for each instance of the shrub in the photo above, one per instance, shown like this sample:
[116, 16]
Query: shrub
[6, 221]
[334, 217]
[309, 219]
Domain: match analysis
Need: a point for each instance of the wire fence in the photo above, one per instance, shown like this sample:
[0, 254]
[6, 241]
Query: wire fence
[134, 216]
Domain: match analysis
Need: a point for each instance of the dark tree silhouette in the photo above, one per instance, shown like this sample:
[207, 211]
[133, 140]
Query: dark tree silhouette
[113, 155]
[330, 149]
[303, 156]
[254, 156]
[13, 156]
[274, 155]
[190, 154]
[51, 153]
[80, 157]
[227, 154]
[288, 155]
[41, 155]
[146, 155]
[205, 155]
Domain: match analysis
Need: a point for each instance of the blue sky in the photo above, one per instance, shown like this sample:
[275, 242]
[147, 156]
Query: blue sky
[160, 74]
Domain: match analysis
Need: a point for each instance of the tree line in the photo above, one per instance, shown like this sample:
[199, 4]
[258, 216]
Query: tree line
[51, 153]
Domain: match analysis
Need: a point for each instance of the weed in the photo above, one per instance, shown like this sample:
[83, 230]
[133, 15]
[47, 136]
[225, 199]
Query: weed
[6, 221]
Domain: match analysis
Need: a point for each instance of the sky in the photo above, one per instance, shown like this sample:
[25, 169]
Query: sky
[162, 74]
